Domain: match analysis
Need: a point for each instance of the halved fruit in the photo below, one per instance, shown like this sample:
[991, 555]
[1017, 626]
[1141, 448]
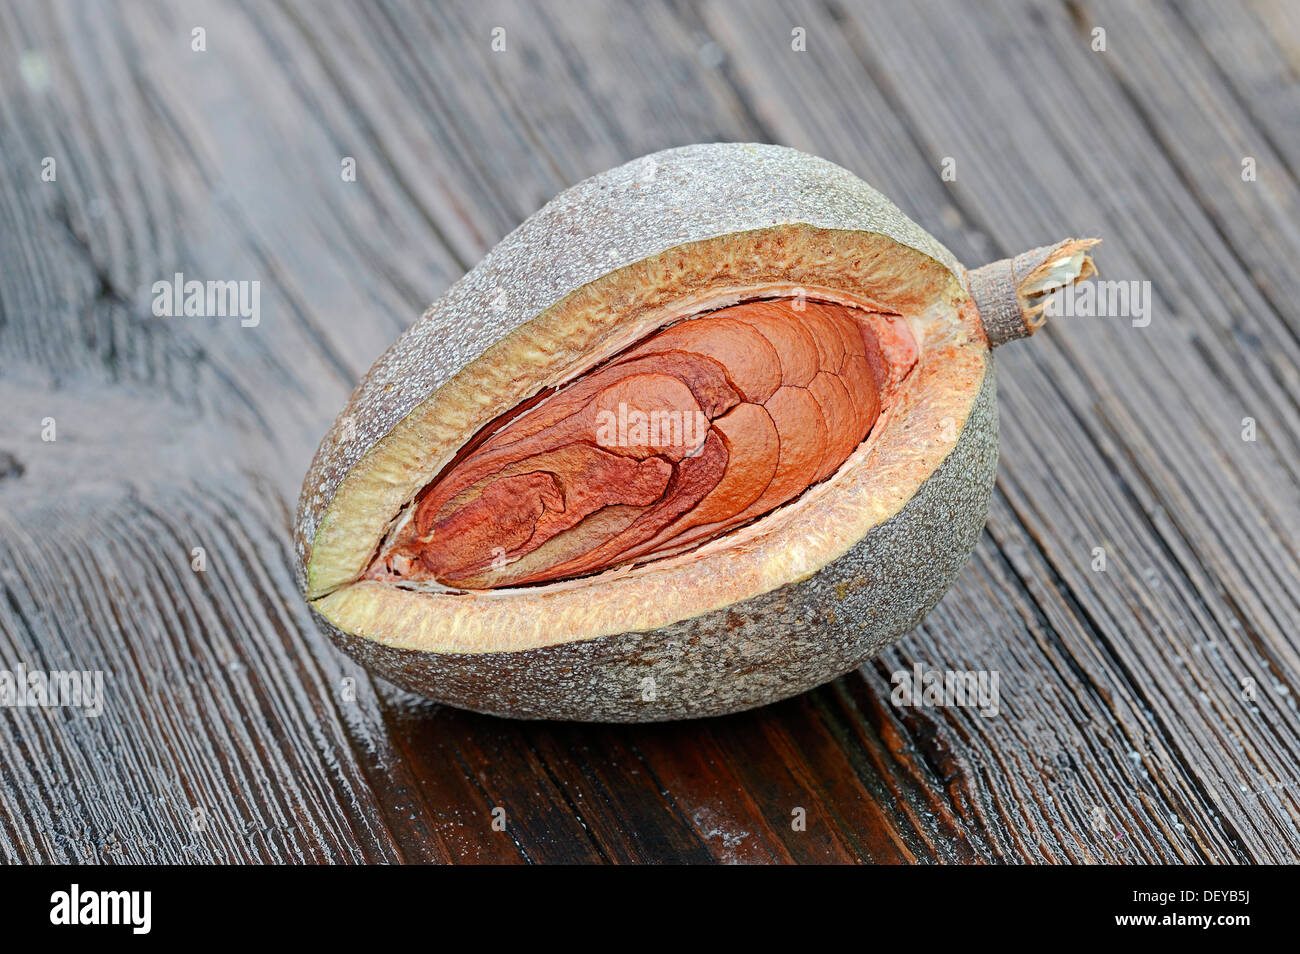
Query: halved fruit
[706, 431]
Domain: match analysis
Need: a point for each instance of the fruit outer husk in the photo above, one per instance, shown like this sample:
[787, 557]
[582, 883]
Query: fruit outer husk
[801, 597]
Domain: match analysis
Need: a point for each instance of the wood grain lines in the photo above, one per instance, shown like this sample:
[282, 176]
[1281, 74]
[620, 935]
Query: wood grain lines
[1148, 712]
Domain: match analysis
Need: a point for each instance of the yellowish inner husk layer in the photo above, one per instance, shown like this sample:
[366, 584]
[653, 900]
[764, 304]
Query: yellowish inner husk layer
[913, 437]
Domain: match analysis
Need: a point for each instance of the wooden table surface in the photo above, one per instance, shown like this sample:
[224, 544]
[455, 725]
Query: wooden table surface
[1148, 711]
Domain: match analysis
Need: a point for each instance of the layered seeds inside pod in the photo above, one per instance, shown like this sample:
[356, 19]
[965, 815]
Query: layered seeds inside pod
[706, 431]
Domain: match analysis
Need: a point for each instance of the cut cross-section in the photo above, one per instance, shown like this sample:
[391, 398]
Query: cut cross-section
[692, 433]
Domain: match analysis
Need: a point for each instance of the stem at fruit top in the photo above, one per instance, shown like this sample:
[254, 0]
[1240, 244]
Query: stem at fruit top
[1011, 293]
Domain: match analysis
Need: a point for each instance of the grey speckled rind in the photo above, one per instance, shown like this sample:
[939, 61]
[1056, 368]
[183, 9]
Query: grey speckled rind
[768, 648]
[609, 221]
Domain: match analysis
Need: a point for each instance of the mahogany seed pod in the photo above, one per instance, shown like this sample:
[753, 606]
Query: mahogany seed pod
[707, 430]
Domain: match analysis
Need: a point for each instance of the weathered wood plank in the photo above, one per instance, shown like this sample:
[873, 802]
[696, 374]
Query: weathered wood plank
[1122, 735]
[212, 745]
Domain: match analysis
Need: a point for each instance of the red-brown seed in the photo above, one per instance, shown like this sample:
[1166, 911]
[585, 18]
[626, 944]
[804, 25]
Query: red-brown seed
[690, 434]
